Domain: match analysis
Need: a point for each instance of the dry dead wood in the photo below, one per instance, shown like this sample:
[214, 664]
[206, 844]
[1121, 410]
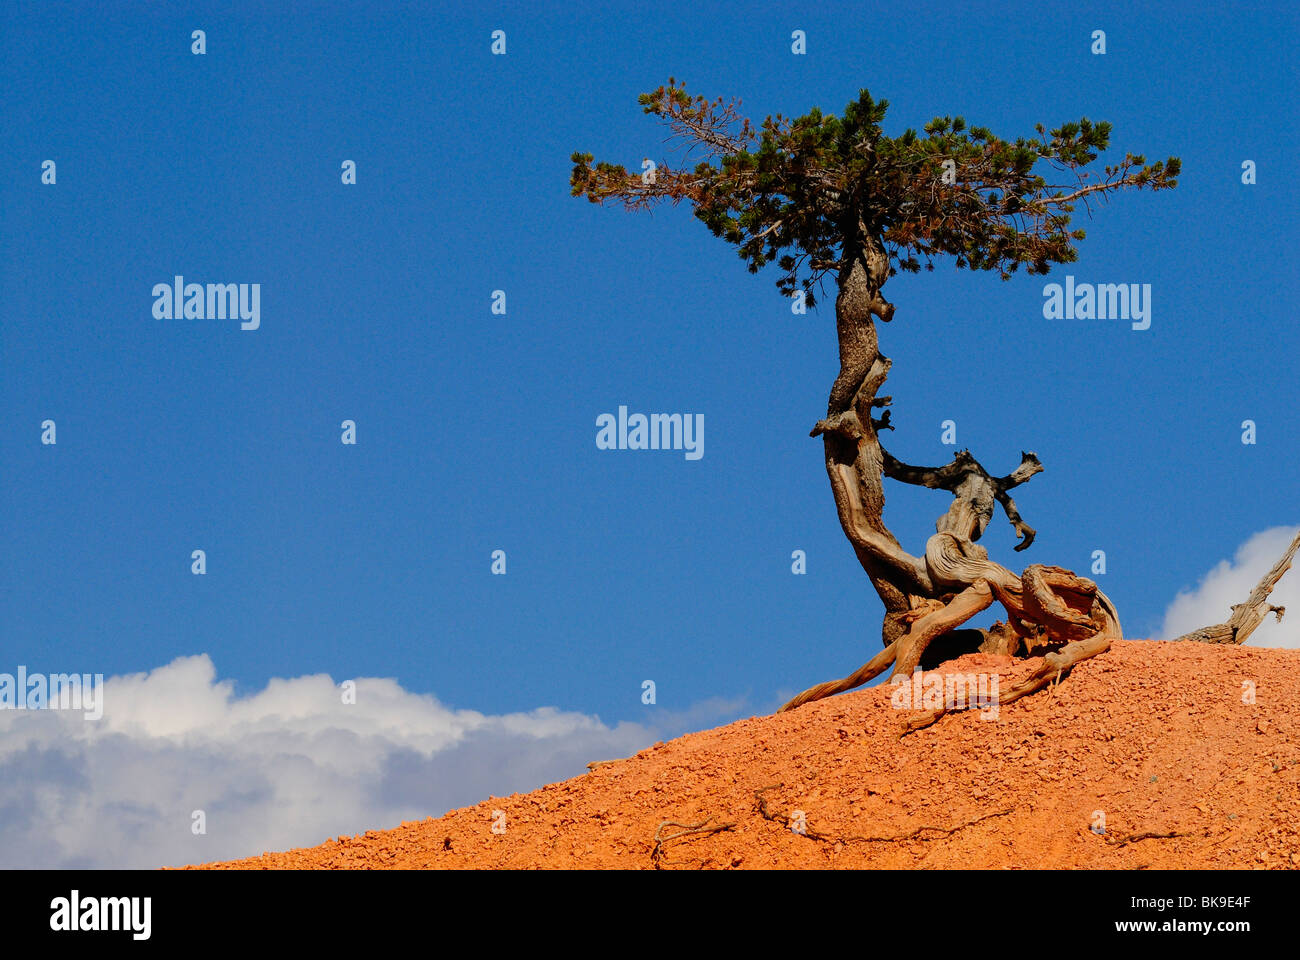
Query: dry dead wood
[1250, 614]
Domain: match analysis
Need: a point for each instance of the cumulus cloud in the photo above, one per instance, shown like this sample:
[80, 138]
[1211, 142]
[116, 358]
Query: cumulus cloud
[1230, 582]
[288, 766]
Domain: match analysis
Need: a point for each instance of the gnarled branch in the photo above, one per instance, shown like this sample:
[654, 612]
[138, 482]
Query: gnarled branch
[1249, 615]
[976, 491]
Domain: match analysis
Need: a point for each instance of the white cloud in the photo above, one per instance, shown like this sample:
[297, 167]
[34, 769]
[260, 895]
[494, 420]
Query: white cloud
[1231, 582]
[288, 766]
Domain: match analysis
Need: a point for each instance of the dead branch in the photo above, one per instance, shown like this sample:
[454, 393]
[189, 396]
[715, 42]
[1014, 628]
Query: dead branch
[1249, 615]
[974, 489]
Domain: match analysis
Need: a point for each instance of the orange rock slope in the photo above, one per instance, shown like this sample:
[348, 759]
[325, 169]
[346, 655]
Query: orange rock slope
[1157, 744]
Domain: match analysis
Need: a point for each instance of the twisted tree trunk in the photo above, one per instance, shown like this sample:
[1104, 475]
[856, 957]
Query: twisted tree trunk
[928, 598]
[1050, 611]
[854, 457]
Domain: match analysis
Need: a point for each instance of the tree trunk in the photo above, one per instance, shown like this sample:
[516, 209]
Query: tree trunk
[854, 459]
[1051, 611]
[928, 598]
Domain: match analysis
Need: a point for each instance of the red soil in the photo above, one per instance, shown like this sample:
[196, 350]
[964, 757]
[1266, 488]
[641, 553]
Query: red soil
[1154, 735]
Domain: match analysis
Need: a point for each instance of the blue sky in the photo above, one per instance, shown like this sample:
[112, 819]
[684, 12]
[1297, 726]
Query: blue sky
[476, 431]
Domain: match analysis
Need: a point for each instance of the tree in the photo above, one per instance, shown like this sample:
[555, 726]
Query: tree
[834, 198]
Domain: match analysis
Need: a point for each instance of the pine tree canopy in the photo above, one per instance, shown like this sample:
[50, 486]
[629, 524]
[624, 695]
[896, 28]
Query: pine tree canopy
[795, 191]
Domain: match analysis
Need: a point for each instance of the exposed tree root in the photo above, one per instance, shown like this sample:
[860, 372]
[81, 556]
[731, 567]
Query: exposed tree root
[1047, 606]
[978, 596]
[687, 829]
[868, 671]
[1055, 665]
[766, 812]
[1135, 837]
[1044, 604]
[764, 809]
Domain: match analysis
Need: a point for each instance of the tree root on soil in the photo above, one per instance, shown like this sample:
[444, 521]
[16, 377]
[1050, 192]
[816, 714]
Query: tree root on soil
[1135, 837]
[687, 829]
[1048, 607]
[761, 805]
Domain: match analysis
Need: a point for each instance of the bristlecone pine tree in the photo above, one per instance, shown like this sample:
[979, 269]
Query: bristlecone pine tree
[833, 198]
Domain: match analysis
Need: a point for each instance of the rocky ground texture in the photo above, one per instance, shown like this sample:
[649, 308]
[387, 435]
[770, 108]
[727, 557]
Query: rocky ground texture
[1151, 755]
